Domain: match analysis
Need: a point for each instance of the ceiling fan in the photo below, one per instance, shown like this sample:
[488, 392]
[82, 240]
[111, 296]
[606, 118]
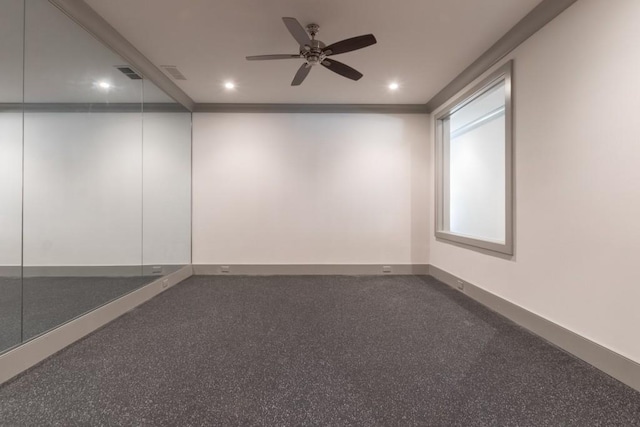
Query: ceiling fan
[315, 52]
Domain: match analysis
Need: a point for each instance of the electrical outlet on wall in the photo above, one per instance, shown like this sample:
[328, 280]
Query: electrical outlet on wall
[224, 269]
[460, 285]
[165, 283]
[386, 269]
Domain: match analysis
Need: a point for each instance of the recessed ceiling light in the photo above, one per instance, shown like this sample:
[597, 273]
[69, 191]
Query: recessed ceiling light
[229, 85]
[104, 85]
[393, 86]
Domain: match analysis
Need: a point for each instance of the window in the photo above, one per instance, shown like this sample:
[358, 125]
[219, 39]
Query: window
[473, 155]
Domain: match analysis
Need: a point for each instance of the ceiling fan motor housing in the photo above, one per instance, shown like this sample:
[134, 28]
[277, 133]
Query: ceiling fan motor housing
[312, 53]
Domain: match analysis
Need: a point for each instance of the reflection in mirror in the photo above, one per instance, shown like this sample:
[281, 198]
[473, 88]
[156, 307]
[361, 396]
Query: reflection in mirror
[167, 183]
[95, 174]
[11, 43]
[82, 172]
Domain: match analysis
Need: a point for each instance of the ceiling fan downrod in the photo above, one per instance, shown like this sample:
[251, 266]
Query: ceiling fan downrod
[313, 53]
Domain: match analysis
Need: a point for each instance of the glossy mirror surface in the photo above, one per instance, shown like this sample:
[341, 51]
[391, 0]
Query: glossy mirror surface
[11, 60]
[95, 174]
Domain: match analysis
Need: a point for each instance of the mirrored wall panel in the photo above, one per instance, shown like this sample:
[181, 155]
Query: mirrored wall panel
[95, 174]
[82, 174]
[11, 42]
[166, 182]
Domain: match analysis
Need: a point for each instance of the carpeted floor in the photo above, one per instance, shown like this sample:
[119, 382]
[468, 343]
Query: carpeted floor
[51, 301]
[328, 350]
[10, 312]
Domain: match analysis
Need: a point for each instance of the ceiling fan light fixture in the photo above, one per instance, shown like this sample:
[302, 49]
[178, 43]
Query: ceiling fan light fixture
[314, 51]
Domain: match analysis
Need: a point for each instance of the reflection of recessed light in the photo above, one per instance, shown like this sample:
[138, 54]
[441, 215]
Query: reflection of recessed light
[229, 85]
[393, 86]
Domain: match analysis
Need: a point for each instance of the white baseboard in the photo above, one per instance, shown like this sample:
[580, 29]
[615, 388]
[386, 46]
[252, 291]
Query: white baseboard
[608, 361]
[308, 269]
[12, 271]
[33, 352]
[99, 270]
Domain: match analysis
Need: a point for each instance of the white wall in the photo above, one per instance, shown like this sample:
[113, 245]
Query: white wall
[83, 189]
[10, 188]
[167, 188]
[310, 189]
[577, 179]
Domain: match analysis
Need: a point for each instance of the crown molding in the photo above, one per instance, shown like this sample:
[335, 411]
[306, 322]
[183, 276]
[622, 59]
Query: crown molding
[98, 27]
[540, 16]
[312, 108]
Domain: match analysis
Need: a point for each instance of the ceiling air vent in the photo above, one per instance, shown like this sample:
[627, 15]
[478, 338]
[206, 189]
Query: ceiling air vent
[129, 72]
[173, 71]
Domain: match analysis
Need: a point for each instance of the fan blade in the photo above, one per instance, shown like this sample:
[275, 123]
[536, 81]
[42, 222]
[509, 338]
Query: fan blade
[266, 57]
[348, 45]
[297, 31]
[302, 73]
[342, 69]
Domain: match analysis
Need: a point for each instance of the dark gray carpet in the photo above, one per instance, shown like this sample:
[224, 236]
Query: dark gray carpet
[315, 351]
[10, 312]
[51, 301]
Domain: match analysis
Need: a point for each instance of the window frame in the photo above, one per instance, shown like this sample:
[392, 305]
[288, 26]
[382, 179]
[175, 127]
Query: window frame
[504, 73]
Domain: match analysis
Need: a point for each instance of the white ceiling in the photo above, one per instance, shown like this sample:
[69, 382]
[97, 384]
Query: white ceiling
[423, 44]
